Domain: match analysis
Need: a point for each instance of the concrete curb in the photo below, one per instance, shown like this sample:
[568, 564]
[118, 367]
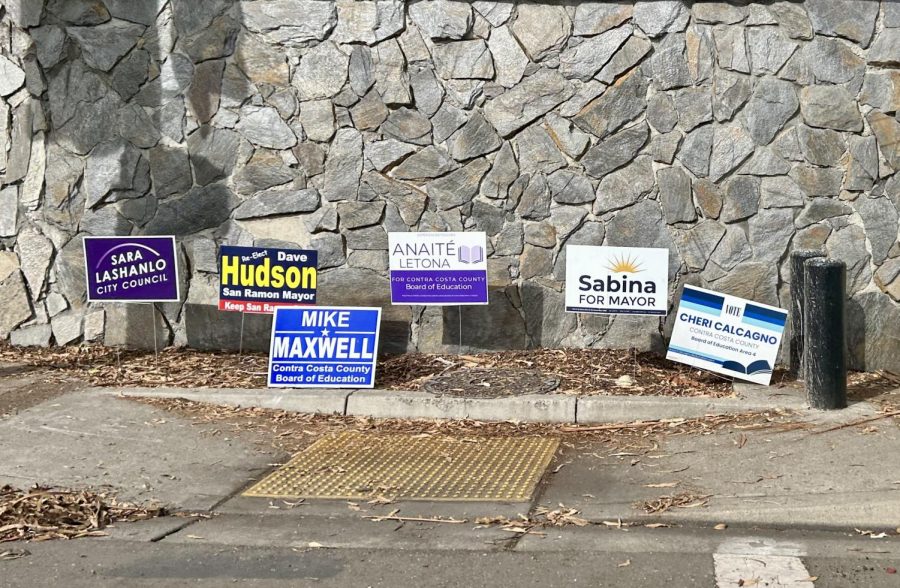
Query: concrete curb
[533, 408]
[322, 401]
[611, 409]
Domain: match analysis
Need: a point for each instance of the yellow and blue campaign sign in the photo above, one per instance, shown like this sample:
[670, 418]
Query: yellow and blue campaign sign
[324, 347]
[260, 279]
[727, 335]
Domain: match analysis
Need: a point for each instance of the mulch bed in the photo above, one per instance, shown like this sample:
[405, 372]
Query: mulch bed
[490, 382]
[487, 375]
[571, 371]
[579, 371]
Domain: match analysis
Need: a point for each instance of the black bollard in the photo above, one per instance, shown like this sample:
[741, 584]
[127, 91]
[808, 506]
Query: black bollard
[824, 347]
[798, 257]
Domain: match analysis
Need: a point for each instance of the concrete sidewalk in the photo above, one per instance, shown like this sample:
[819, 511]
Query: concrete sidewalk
[811, 496]
[839, 479]
[802, 478]
[821, 477]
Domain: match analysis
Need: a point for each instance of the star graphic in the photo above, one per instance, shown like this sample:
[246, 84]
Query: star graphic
[325, 332]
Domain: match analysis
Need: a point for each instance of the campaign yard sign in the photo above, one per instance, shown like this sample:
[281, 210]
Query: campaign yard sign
[438, 268]
[131, 269]
[617, 280]
[320, 347]
[727, 335]
[258, 280]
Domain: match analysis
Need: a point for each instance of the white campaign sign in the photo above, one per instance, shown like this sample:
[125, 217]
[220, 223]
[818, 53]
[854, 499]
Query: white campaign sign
[438, 268]
[617, 280]
[727, 335]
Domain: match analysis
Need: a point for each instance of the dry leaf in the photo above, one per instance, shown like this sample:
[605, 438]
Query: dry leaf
[314, 545]
[720, 527]
[13, 554]
[625, 381]
[625, 563]
[662, 485]
[664, 503]
[195, 537]
[381, 500]
[657, 525]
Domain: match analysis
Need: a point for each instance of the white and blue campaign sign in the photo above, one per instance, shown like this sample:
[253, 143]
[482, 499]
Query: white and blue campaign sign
[617, 280]
[321, 347]
[727, 335]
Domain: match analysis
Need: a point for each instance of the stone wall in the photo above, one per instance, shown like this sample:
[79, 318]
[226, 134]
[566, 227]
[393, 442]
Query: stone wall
[728, 133]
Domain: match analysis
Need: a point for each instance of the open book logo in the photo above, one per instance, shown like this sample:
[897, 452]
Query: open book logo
[470, 254]
[759, 366]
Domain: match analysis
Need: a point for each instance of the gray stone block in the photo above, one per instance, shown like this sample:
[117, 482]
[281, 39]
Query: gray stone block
[208, 328]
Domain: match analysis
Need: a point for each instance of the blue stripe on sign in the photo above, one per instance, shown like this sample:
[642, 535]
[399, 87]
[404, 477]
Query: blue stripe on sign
[762, 324]
[700, 308]
[696, 354]
[703, 298]
[764, 314]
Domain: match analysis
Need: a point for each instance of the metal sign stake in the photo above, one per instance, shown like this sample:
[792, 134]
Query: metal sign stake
[241, 339]
[155, 340]
[459, 314]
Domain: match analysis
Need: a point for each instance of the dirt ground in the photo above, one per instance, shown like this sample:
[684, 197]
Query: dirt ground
[24, 386]
[559, 371]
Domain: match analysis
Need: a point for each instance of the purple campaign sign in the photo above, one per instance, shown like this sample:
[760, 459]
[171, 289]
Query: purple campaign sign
[438, 287]
[131, 269]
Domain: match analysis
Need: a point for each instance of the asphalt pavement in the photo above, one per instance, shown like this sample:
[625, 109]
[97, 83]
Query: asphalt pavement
[614, 558]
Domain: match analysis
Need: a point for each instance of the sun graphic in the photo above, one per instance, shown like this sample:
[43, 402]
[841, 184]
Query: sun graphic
[624, 265]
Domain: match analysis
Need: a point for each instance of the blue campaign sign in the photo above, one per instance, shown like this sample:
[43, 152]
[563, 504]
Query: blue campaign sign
[324, 347]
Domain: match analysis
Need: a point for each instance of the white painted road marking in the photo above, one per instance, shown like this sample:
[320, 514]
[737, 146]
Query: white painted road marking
[760, 562]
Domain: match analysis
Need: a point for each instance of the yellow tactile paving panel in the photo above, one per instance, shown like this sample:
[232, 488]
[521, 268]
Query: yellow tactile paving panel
[356, 465]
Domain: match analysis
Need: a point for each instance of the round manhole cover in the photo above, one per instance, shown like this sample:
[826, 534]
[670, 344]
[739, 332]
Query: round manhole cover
[491, 383]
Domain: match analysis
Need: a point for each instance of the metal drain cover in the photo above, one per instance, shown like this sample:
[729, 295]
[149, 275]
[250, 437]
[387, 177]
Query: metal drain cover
[491, 383]
[353, 465]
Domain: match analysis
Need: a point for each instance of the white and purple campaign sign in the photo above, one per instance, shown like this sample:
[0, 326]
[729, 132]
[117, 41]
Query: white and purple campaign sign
[131, 269]
[438, 268]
